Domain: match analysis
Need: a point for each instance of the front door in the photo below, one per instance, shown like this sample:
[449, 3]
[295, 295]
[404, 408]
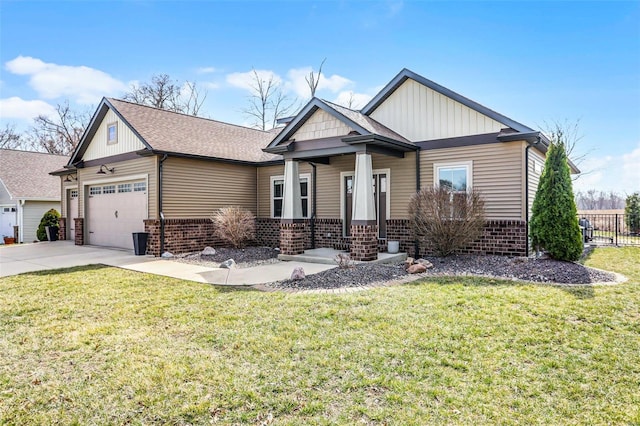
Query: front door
[73, 212]
[380, 188]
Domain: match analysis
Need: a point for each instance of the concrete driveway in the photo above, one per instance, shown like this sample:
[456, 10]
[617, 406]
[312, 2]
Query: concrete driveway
[20, 258]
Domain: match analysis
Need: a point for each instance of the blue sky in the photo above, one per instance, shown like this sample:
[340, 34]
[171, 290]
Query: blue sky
[535, 62]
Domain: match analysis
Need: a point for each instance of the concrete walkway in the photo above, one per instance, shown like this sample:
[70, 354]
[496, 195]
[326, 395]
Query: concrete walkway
[20, 258]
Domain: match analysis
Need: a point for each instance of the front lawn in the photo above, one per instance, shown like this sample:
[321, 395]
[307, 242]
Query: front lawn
[108, 346]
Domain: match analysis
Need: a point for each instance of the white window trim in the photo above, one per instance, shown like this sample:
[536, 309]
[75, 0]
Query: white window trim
[342, 189]
[467, 164]
[301, 176]
[114, 141]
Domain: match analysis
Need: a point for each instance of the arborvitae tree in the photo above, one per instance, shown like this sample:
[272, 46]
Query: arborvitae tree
[554, 219]
[632, 213]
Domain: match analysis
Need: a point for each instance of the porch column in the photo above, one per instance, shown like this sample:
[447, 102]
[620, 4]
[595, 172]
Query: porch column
[364, 229]
[291, 223]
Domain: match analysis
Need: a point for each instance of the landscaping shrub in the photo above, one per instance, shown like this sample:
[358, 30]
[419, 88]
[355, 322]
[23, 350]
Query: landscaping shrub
[50, 218]
[554, 219]
[632, 212]
[447, 221]
[234, 225]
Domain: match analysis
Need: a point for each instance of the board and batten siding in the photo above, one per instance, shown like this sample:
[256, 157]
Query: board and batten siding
[402, 177]
[127, 140]
[195, 189]
[321, 125]
[143, 166]
[536, 164]
[419, 113]
[32, 213]
[497, 172]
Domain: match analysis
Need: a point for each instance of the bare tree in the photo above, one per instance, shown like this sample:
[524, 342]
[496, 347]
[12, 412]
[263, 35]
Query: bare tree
[569, 133]
[9, 139]
[267, 102]
[60, 134]
[165, 93]
[599, 200]
[314, 79]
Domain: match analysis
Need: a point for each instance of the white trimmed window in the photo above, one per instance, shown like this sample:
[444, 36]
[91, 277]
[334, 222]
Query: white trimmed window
[112, 133]
[139, 186]
[124, 187]
[277, 194]
[74, 193]
[454, 176]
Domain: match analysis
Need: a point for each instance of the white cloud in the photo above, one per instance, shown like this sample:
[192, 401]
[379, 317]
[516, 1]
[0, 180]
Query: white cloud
[18, 108]
[206, 70]
[247, 80]
[83, 84]
[358, 100]
[297, 83]
[619, 173]
[212, 85]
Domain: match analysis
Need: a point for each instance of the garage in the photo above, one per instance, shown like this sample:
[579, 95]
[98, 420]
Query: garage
[114, 211]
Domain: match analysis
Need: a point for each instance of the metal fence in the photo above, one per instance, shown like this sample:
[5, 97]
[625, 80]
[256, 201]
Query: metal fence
[611, 229]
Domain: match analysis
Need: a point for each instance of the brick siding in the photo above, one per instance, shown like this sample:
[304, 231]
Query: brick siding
[292, 236]
[364, 242]
[79, 234]
[62, 228]
[181, 235]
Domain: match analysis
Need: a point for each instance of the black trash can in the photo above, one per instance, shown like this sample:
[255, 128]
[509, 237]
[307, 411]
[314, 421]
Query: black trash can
[140, 243]
[52, 233]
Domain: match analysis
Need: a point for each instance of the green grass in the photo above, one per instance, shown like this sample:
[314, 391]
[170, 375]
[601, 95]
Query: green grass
[99, 345]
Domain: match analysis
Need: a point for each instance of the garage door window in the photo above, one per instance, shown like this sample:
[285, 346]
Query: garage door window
[95, 190]
[109, 189]
[140, 186]
[124, 187]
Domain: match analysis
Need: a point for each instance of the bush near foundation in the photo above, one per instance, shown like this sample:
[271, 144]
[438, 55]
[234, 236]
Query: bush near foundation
[234, 225]
[50, 218]
[554, 218]
[445, 220]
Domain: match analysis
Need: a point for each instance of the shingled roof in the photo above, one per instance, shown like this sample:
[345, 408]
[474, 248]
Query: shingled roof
[25, 174]
[169, 131]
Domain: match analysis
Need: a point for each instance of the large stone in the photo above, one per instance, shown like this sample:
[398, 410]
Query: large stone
[298, 273]
[425, 262]
[208, 251]
[228, 264]
[408, 262]
[167, 255]
[417, 268]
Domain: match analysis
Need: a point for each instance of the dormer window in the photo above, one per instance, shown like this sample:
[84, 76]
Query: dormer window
[112, 133]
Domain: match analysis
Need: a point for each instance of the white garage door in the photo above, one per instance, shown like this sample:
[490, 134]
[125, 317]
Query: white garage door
[114, 211]
[73, 213]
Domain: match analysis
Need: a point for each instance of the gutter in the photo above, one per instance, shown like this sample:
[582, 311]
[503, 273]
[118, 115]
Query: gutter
[526, 187]
[160, 163]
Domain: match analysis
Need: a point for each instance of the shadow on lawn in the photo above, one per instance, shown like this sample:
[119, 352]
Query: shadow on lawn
[580, 291]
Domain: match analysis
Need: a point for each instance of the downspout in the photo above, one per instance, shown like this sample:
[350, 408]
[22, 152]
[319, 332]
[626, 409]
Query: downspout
[416, 243]
[313, 205]
[526, 189]
[161, 213]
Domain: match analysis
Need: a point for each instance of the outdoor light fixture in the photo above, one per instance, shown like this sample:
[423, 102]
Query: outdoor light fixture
[69, 178]
[103, 168]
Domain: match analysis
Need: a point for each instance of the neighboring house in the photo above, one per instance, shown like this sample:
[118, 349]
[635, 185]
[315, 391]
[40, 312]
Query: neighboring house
[332, 177]
[27, 191]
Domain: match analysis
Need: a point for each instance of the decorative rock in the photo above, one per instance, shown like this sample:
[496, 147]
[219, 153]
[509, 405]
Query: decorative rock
[228, 264]
[208, 251]
[408, 262]
[167, 255]
[298, 273]
[425, 262]
[417, 268]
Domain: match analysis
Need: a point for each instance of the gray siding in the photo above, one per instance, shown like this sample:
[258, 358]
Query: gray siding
[32, 214]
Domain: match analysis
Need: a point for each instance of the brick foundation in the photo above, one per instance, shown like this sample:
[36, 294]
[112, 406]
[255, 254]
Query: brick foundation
[364, 242]
[62, 228]
[79, 236]
[181, 235]
[292, 237]
[268, 231]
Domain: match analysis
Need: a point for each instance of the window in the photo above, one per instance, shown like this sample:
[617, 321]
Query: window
[139, 186]
[9, 209]
[95, 190]
[109, 189]
[454, 176]
[112, 133]
[277, 195]
[124, 187]
[74, 193]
